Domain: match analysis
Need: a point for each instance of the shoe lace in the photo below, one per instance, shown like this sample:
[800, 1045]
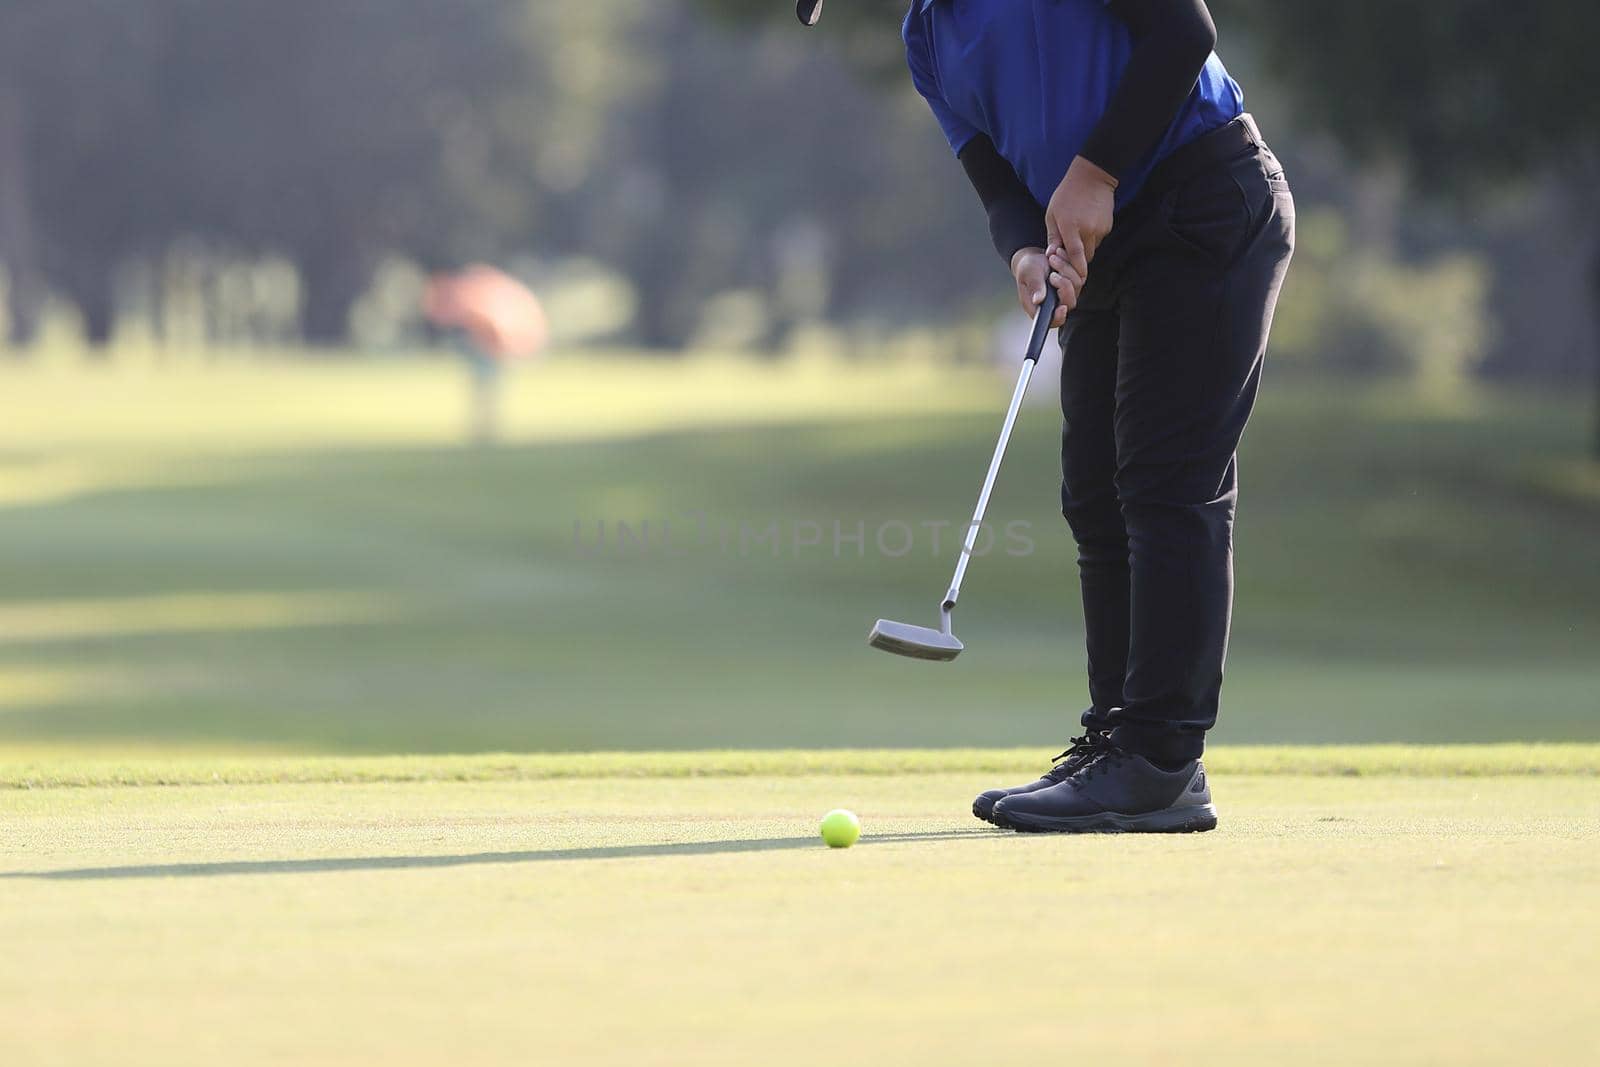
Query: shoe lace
[1105, 758]
[1080, 753]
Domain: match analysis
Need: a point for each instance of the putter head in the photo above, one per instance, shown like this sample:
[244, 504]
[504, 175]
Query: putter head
[915, 642]
[810, 12]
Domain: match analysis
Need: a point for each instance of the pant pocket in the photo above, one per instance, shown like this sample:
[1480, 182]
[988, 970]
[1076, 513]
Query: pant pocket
[1209, 214]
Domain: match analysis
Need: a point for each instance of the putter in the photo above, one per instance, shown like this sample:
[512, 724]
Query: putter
[924, 642]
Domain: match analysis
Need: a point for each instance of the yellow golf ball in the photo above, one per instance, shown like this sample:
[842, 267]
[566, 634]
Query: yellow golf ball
[840, 828]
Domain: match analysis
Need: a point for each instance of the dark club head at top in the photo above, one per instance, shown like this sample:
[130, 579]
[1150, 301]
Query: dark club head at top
[810, 11]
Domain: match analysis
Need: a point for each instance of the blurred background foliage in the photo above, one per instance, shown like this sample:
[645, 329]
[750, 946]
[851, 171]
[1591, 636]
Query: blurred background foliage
[684, 173]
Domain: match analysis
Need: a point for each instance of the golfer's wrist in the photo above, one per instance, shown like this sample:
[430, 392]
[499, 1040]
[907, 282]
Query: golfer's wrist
[1088, 170]
[1016, 257]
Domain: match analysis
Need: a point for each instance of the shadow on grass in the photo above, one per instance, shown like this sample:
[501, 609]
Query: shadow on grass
[472, 859]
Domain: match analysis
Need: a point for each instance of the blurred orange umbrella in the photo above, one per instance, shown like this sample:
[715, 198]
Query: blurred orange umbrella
[500, 314]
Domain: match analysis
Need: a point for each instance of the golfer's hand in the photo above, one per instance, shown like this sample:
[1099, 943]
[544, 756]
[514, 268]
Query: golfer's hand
[1077, 220]
[1031, 268]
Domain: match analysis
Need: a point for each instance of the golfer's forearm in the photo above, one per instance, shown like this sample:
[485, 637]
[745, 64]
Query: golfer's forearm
[1015, 218]
[1172, 41]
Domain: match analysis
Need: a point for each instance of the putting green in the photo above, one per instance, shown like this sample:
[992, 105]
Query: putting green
[1355, 914]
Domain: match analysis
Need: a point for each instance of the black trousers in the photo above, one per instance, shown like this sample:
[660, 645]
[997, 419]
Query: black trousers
[1161, 362]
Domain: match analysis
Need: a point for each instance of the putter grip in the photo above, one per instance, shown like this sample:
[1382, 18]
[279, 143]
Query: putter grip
[1041, 323]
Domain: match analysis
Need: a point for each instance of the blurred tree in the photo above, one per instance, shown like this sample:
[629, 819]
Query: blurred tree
[18, 252]
[1467, 96]
[167, 142]
[324, 132]
[333, 132]
[747, 161]
[74, 81]
[864, 32]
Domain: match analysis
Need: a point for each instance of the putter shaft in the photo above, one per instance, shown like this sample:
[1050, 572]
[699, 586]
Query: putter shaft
[1041, 330]
[921, 642]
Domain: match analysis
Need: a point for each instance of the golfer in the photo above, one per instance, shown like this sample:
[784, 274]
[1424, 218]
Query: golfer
[1112, 153]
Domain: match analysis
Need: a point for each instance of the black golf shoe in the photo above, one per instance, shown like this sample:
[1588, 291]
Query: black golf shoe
[1115, 791]
[1081, 750]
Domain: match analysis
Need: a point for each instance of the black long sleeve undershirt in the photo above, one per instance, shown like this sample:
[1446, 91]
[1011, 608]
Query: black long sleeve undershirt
[1015, 218]
[1172, 41]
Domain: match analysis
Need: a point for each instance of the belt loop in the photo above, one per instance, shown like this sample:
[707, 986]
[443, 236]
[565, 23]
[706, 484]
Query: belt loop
[1251, 130]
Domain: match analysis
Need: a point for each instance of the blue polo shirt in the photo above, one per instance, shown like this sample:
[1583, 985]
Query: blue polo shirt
[1036, 75]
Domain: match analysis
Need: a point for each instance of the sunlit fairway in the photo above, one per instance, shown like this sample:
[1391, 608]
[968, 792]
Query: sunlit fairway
[1401, 906]
[303, 557]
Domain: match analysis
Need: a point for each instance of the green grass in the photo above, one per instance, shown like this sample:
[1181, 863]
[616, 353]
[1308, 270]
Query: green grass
[301, 559]
[587, 914]
[57, 770]
[320, 742]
